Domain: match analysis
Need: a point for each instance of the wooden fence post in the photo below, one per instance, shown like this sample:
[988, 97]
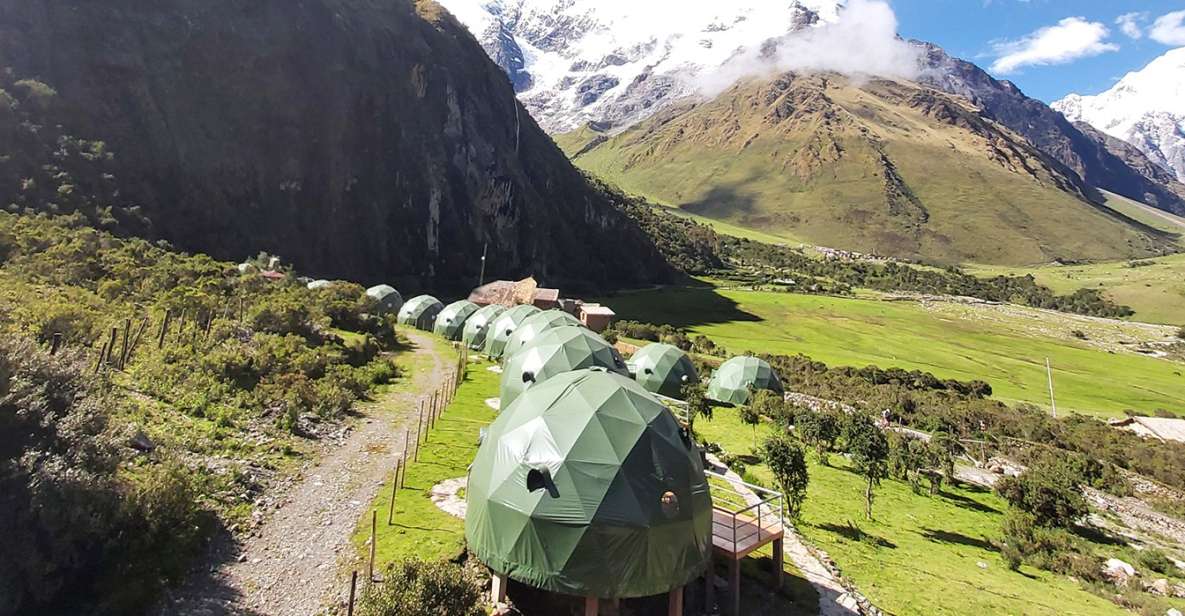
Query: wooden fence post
[56, 345]
[164, 329]
[127, 339]
[353, 588]
[419, 429]
[394, 490]
[111, 344]
[99, 361]
[403, 465]
[374, 525]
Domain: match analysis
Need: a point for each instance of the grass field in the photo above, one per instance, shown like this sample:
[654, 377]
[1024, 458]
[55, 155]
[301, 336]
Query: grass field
[421, 530]
[921, 554]
[1155, 291]
[1005, 348]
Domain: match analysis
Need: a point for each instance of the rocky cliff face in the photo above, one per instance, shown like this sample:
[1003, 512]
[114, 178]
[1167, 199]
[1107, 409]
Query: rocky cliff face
[1087, 156]
[357, 138]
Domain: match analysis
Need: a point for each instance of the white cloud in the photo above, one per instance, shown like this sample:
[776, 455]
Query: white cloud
[1070, 39]
[1129, 24]
[862, 41]
[1169, 29]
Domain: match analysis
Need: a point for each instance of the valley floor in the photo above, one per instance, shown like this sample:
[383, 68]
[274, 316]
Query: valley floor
[1102, 375]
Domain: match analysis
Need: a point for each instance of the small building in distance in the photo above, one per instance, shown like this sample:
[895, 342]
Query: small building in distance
[595, 316]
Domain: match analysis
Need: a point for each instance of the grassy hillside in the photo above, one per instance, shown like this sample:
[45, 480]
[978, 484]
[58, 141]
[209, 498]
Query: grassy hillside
[117, 467]
[1005, 346]
[1155, 288]
[884, 167]
[922, 554]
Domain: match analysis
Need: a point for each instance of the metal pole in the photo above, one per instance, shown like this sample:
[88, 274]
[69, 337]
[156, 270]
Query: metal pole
[482, 280]
[1049, 375]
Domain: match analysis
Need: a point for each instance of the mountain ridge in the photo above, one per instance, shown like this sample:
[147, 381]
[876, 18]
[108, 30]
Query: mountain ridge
[369, 141]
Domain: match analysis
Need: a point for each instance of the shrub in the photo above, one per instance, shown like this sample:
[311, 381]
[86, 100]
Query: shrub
[870, 452]
[1181, 333]
[1050, 491]
[417, 588]
[818, 430]
[1157, 561]
[787, 462]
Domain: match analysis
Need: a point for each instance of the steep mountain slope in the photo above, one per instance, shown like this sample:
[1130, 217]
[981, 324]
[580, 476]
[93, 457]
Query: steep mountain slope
[881, 166]
[361, 139]
[1146, 109]
[619, 61]
[1087, 156]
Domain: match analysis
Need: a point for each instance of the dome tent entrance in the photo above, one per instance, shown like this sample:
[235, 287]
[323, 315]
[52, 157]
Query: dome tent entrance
[478, 325]
[587, 486]
[504, 327]
[389, 300]
[420, 312]
[733, 381]
[663, 369]
[451, 321]
[536, 324]
[555, 351]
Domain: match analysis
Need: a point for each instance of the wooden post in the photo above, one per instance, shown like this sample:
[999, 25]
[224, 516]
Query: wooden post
[99, 361]
[710, 587]
[675, 602]
[127, 338]
[56, 344]
[498, 588]
[734, 586]
[419, 435]
[592, 606]
[403, 465]
[137, 337]
[164, 329]
[374, 527]
[394, 490]
[353, 589]
[209, 323]
[111, 344]
[779, 556]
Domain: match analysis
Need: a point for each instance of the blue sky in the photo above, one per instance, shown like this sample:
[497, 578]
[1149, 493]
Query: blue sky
[1006, 37]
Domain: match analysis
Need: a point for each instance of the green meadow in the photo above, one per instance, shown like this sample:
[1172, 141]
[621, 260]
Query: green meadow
[1005, 348]
[921, 554]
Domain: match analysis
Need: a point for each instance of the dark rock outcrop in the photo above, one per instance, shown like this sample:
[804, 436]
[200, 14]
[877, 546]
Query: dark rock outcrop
[359, 139]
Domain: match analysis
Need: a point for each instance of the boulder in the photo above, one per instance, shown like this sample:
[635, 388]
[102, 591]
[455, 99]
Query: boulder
[1118, 571]
[1158, 587]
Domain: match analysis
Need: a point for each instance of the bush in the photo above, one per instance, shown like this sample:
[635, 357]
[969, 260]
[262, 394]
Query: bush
[1181, 333]
[417, 588]
[1050, 491]
[1157, 561]
[787, 462]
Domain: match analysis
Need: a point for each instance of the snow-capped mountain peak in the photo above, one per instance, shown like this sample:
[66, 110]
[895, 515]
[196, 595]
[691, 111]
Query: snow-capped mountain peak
[618, 61]
[1146, 109]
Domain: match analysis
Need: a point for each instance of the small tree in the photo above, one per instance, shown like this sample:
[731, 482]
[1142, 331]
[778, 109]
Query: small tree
[818, 430]
[940, 457]
[762, 403]
[870, 452]
[1050, 491]
[698, 405]
[787, 461]
[1181, 333]
[906, 459]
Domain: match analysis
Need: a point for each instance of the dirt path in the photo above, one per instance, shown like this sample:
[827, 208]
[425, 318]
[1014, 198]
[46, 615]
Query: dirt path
[289, 566]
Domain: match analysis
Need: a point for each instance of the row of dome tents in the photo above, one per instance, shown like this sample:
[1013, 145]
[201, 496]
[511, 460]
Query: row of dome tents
[502, 333]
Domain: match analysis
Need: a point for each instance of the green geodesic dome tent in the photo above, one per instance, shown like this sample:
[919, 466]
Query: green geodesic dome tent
[451, 321]
[587, 486]
[420, 312]
[663, 369]
[555, 351]
[733, 380]
[503, 328]
[478, 325]
[389, 300]
[534, 325]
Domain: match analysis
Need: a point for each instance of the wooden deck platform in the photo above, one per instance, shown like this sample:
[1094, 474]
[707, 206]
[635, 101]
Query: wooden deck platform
[736, 535]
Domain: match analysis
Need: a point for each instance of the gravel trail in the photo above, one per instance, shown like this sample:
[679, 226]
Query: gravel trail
[290, 565]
